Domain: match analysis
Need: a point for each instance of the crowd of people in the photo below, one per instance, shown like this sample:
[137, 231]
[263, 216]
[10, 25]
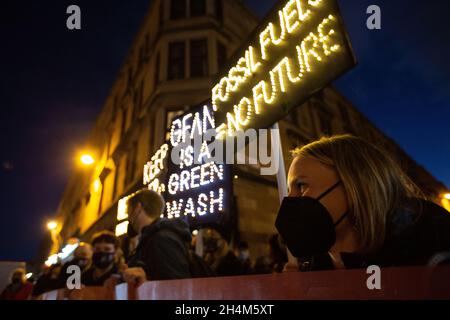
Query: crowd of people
[165, 250]
[349, 206]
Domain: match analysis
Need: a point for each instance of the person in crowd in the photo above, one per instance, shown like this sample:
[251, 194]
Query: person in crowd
[350, 206]
[263, 265]
[49, 280]
[278, 254]
[242, 252]
[82, 257]
[219, 255]
[19, 288]
[163, 249]
[104, 259]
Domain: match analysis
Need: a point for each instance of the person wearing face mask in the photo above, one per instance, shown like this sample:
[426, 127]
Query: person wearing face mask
[19, 288]
[350, 206]
[82, 257]
[104, 259]
[163, 251]
[243, 254]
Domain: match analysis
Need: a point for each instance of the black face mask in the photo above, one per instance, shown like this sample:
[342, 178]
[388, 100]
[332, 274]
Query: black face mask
[306, 225]
[103, 260]
[131, 232]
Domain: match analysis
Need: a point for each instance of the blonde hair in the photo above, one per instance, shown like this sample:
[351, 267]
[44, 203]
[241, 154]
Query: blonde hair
[375, 185]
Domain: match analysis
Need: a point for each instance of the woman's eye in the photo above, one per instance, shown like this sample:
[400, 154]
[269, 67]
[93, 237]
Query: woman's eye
[301, 186]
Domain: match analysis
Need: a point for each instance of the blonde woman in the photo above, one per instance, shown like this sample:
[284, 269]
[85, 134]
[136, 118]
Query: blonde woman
[350, 205]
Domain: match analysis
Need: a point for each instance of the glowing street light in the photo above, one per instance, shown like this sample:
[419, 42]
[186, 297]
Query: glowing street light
[447, 196]
[52, 225]
[87, 159]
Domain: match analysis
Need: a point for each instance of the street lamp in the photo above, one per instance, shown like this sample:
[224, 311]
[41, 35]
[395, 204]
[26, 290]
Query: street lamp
[52, 225]
[447, 196]
[87, 159]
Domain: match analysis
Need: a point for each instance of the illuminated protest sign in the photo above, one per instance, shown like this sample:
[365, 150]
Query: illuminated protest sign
[194, 187]
[299, 48]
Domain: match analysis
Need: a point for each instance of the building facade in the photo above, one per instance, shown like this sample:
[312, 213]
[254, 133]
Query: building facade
[179, 50]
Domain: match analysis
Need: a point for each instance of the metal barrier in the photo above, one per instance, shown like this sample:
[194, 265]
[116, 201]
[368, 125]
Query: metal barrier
[412, 283]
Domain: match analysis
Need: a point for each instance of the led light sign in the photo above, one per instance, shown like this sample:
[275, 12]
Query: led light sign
[299, 48]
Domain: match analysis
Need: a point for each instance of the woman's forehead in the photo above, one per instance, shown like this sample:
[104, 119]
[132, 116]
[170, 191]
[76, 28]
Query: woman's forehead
[307, 167]
[302, 166]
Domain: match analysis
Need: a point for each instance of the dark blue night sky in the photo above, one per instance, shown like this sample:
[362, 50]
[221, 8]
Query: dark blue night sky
[54, 82]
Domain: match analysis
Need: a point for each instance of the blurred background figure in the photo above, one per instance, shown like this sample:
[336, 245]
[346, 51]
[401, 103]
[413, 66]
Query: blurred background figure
[278, 253]
[263, 265]
[82, 257]
[219, 256]
[19, 288]
[49, 280]
[104, 259]
[242, 252]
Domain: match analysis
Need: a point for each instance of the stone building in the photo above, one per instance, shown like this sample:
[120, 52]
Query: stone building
[171, 66]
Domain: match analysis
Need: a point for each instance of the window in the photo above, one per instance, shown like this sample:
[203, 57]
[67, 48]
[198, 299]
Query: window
[141, 57]
[170, 116]
[137, 101]
[221, 55]
[100, 201]
[129, 79]
[131, 163]
[146, 47]
[157, 61]
[124, 122]
[110, 133]
[76, 209]
[218, 6]
[114, 109]
[116, 180]
[325, 123]
[176, 60]
[199, 58]
[198, 8]
[87, 198]
[178, 9]
[161, 13]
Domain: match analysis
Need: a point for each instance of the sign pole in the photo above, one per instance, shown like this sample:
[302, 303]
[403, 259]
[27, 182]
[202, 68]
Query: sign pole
[277, 151]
